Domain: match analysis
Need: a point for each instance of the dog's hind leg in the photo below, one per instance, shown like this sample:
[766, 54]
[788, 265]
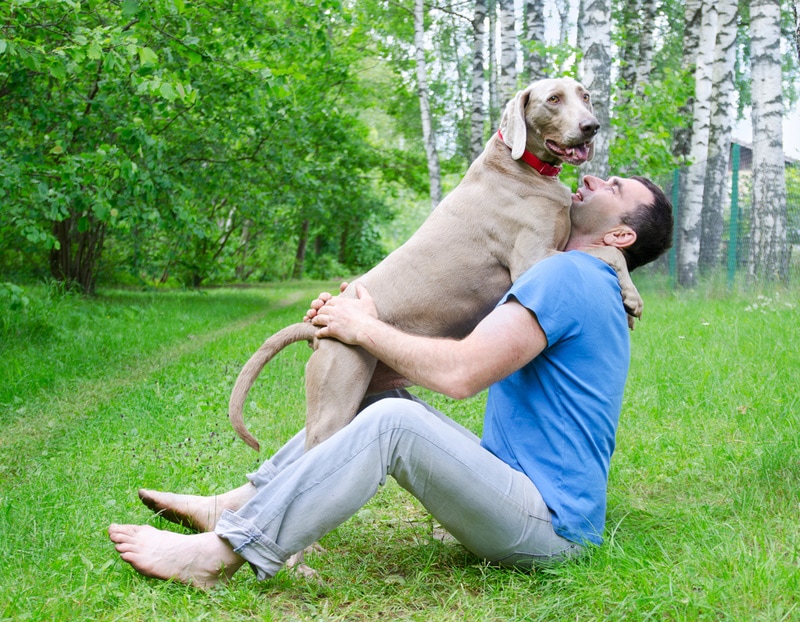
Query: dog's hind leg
[337, 376]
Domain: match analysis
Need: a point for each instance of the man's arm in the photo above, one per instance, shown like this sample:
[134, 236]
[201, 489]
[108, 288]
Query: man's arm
[508, 338]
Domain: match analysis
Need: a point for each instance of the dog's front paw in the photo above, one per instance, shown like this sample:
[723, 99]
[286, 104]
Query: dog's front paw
[633, 302]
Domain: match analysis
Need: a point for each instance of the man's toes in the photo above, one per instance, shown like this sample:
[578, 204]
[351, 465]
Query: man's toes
[146, 497]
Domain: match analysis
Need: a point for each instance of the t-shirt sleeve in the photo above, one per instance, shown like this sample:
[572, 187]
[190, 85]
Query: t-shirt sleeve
[553, 290]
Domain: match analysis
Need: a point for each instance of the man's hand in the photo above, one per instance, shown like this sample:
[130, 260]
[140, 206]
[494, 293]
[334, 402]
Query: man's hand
[344, 318]
[320, 300]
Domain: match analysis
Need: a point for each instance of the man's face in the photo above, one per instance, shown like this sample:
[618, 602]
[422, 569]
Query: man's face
[598, 206]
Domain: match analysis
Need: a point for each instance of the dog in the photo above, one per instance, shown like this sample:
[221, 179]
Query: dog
[509, 212]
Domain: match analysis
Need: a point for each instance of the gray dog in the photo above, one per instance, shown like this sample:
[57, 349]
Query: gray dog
[508, 212]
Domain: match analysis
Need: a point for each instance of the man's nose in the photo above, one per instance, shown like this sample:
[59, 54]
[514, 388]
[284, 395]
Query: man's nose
[590, 181]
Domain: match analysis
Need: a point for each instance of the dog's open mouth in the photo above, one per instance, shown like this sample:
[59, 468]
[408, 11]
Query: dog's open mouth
[574, 154]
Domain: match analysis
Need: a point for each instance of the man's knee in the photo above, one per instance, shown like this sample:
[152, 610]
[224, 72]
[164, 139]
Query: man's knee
[393, 413]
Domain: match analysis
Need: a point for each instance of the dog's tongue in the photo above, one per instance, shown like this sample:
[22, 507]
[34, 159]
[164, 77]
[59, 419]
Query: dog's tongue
[577, 155]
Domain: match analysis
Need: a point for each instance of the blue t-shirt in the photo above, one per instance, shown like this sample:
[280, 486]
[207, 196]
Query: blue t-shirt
[556, 418]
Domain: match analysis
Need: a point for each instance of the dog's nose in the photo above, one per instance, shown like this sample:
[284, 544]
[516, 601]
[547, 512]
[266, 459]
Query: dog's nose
[589, 127]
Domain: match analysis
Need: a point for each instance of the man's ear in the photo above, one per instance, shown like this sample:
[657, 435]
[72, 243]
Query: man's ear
[621, 236]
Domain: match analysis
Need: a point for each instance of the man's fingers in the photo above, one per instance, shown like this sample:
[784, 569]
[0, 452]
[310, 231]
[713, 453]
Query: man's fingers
[361, 292]
[316, 305]
[321, 300]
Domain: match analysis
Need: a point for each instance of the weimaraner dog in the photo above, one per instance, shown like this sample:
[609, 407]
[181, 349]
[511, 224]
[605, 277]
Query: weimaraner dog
[503, 217]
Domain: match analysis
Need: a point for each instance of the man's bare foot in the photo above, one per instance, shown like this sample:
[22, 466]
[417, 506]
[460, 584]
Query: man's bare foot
[203, 560]
[297, 562]
[193, 511]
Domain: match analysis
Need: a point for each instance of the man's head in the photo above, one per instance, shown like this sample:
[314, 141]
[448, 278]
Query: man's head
[631, 214]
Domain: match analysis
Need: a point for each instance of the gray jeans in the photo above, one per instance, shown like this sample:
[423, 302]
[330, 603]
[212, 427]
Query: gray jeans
[493, 510]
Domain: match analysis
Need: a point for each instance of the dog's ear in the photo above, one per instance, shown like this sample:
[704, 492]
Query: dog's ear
[513, 124]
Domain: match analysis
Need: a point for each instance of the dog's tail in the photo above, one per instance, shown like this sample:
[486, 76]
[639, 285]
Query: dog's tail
[303, 331]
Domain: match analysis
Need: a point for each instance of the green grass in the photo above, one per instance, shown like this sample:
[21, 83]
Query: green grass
[130, 389]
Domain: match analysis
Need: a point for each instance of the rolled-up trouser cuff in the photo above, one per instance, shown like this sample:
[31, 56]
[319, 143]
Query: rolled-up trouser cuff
[264, 556]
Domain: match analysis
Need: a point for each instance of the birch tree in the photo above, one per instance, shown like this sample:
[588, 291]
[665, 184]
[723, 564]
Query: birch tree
[796, 13]
[692, 18]
[626, 31]
[719, 143]
[692, 208]
[494, 97]
[563, 8]
[508, 51]
[534, 57]
[595, 72]
[769, 251]
[434, 169]
[478, 78]
[644, 60]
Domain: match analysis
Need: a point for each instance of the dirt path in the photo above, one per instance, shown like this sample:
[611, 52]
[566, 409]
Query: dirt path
[45, 415]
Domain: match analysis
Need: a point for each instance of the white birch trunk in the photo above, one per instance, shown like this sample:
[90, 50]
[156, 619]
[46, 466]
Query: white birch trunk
[692, 200]
[719, 142]
[647, 16]
[478, 78]
[508, 51]
[693, 11]
[595, 72]
[796, 13]
[627, 52]
[495, 107]
[535, 62]
[434, 171]
[769, 251]
[562, 8]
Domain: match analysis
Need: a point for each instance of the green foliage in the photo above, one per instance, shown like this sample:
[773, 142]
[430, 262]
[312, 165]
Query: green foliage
[170, 133]
[644, 128]
[646, 116]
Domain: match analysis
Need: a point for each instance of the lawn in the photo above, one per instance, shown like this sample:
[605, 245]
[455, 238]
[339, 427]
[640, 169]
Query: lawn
[130, 389]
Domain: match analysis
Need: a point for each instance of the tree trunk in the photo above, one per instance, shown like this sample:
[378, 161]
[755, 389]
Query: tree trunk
[241, 253]
[434, 171]
[796, 13]
[300, 255]
[80, 242]
[563, 8]
[719, 143]
[478, 78]
[494, 100]
[647, 16]
[627, 58]
[534, 59]
[769, 251]
[508, 51]
[596, 76]
[692, 204]
[692, 19]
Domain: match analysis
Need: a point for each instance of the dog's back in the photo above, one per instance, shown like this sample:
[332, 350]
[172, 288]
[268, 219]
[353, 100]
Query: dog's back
[500, 220]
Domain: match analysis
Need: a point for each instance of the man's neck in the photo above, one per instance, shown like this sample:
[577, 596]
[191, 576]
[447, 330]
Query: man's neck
[579, 242]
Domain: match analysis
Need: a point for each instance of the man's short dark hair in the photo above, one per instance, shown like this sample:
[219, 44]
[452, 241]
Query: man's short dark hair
[653, 223]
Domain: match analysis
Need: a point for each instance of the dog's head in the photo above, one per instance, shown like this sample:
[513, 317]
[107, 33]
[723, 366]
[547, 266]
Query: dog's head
[553, 119]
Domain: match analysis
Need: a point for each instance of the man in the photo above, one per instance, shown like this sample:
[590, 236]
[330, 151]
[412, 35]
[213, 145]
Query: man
[555, 354]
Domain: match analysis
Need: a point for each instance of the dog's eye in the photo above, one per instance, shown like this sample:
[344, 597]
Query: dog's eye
[586, 97]
[553, 99]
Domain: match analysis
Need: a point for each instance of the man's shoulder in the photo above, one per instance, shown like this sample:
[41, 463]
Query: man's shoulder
[560, 263]
[569, 276]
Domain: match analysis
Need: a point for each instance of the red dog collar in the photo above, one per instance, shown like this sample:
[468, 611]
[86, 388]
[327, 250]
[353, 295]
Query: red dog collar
[535, 163]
